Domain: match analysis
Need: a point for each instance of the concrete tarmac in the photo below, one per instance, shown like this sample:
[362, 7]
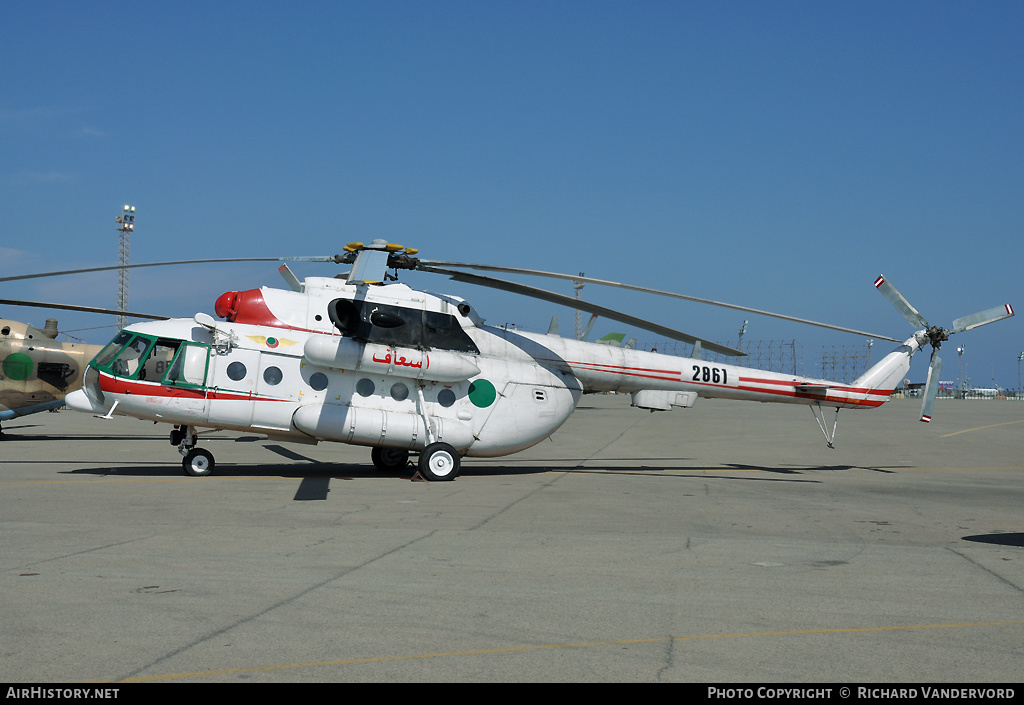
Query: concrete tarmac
[723, 543]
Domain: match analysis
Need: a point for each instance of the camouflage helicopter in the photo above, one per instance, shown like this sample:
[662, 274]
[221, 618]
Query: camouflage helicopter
[37, 371]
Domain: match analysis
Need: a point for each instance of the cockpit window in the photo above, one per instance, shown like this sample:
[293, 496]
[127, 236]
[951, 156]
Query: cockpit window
[112, 348]
[146, 358]
[189, 367]
[159, 360]
[399, 325]
[130, 359]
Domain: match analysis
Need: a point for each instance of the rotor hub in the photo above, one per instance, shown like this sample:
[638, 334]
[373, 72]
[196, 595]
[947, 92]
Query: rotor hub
[937, 336]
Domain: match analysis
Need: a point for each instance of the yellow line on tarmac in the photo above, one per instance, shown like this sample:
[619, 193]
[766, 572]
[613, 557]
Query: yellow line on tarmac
[968, 430]
[522, 649]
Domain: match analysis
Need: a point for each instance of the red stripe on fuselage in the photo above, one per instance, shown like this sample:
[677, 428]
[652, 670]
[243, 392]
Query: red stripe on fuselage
[117, 385]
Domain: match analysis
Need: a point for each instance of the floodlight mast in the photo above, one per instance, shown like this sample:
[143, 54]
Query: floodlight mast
[127, 225]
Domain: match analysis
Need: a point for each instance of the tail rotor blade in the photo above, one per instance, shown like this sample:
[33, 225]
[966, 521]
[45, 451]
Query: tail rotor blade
[997, 313]
[900, 303]
[930, 388]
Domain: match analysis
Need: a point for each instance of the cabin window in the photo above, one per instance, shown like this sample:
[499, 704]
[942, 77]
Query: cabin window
[318, 381]
[446, 397]
[237, 371]
[272, 376]
[365, 387]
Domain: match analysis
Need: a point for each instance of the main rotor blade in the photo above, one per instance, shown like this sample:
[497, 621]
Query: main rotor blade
[328, 258]
[996, 313]
[931, 386]
[658, 292]
[900, 303]
[575, 303]
[85, 309]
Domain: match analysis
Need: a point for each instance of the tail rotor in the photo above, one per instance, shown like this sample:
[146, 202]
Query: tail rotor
[935, 336]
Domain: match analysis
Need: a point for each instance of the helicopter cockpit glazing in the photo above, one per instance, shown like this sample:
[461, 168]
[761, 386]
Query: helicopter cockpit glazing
[149, 358]
[386, 324]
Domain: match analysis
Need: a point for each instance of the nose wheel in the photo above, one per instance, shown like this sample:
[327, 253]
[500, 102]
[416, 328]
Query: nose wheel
[196, 462]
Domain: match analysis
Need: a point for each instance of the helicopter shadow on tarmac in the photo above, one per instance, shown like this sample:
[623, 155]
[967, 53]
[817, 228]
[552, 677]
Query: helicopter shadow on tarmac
[315, 476]
[999, 539]
[302, 466]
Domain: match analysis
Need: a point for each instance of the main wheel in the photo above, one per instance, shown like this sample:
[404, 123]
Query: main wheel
[389, 459]
[439, 461]
[198, 462]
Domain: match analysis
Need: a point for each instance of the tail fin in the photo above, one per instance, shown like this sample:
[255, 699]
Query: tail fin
[892, 369]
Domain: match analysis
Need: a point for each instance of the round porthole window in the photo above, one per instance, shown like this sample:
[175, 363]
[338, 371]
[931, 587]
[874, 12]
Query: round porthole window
[399, 392]
[446, 398]
[318, 381]
[272, 375]
[236, 371]
[365, 387]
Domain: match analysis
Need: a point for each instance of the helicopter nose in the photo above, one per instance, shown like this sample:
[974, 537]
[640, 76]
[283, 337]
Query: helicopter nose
[80, 401]
[89, 398]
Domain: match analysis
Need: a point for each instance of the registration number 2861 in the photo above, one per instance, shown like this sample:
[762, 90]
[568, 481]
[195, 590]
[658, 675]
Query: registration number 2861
[714, 375]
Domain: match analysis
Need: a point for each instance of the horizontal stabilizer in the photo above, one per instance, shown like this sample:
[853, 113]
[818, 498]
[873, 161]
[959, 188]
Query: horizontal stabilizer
[813, 388]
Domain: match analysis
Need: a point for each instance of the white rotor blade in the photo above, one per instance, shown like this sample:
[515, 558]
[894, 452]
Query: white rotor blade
[84, 309]
[330, 258]
[611, 314]
[931, 387]
[996, 313]
[900, 303]
[658, 292]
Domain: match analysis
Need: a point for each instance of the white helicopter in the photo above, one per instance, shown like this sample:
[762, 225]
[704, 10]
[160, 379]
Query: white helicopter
[369, 362]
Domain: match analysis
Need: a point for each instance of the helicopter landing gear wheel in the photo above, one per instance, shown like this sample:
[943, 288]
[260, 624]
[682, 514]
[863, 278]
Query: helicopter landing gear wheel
[198, 462]
[439, 461]
[389, 459]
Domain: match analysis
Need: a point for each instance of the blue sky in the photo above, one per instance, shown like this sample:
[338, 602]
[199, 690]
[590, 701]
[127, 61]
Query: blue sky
[779, 155]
